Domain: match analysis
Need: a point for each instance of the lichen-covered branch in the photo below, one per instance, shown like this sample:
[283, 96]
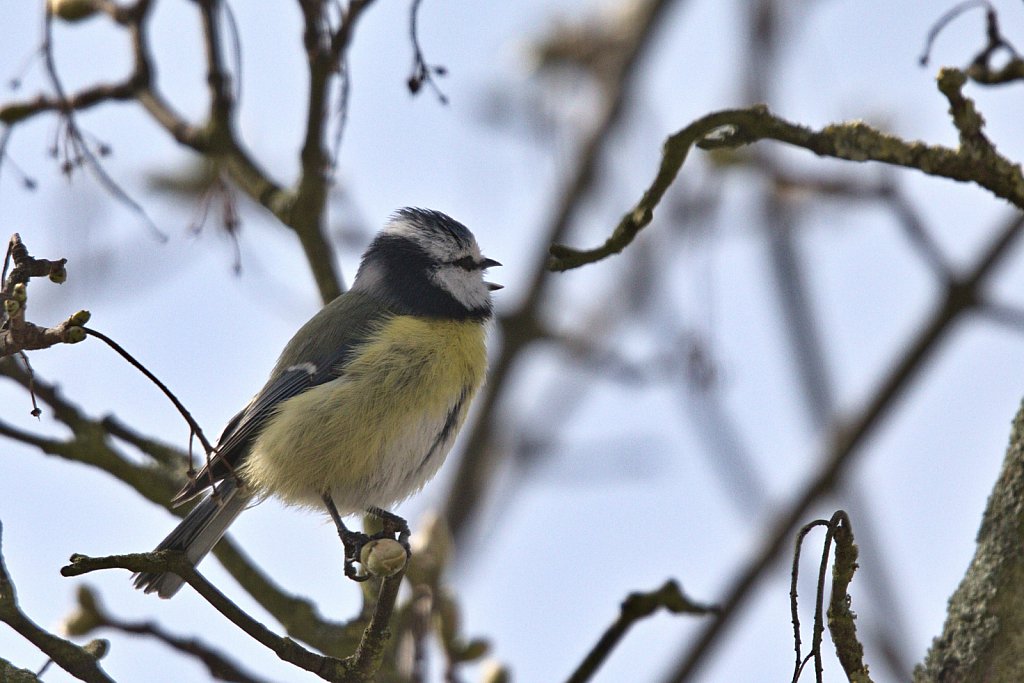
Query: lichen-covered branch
[13, 674]
[982, 638]
[975, 161]
[841, 619]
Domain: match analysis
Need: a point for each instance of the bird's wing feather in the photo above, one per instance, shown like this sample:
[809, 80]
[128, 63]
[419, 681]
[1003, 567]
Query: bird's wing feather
[316, 354]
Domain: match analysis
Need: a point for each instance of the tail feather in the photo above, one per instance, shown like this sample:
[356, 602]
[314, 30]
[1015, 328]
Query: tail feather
[197, 534]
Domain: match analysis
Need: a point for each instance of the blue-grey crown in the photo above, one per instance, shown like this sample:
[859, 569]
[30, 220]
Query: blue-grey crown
[437, 223]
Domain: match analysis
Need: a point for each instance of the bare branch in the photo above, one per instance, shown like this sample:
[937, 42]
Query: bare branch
[15, 112]
[520, 328]
[1011, 316]
[178, 563]
[359, 667]
[885, 190]
[962, 295]
[635, 607]
[74, 659]
[218, 80]
[306, 213]
[841, 618]
[90, 614]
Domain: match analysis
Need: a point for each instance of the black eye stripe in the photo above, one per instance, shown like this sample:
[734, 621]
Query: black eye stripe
[466, 263]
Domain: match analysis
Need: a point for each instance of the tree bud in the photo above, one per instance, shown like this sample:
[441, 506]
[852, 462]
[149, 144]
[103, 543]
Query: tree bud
[71, 10]
[383, 557]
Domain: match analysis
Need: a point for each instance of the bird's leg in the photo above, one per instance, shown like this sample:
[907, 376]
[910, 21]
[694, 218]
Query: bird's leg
[391, 524]
[352, 540]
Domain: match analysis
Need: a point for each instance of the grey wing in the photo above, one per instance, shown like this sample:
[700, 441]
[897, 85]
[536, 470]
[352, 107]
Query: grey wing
[316, 354]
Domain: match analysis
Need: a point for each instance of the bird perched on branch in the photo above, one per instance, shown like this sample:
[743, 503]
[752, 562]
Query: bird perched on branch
[366, 399]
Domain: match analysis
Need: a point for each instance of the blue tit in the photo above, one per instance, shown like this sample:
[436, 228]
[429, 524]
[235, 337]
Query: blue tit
[366, 399]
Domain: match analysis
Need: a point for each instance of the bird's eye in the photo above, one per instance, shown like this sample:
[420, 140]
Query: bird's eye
[466, 263]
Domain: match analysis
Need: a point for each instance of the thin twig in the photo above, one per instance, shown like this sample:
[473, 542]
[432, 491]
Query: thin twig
[981, 69]
[340, 42]
[840, 618]
[193, 425]
[945, 20]
[82, 151]
[422, 73]
[794, 607]
[35, 412]
[635, 607]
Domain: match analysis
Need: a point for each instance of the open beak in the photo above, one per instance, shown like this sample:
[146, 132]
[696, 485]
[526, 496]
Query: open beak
[490, 263]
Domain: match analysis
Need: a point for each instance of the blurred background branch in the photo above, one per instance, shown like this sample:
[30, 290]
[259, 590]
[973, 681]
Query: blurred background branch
[705, 406]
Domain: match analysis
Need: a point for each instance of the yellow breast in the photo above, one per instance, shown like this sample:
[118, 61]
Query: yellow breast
[365, 437]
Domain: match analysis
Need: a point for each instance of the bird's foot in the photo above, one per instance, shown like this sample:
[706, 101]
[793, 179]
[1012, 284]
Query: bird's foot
[353, 541]
[392, 526]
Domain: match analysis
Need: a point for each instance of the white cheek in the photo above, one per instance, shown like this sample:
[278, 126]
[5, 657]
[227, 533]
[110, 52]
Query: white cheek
[467, 286]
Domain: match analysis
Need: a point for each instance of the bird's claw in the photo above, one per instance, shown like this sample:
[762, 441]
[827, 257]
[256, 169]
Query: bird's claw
[354, 542]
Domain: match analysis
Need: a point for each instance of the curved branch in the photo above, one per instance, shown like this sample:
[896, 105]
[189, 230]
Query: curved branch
[361, 666]
[178, 563]
[635, 607]
[975, 161]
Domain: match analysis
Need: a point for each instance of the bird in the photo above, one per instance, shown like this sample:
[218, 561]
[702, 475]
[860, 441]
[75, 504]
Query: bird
[364, 402]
